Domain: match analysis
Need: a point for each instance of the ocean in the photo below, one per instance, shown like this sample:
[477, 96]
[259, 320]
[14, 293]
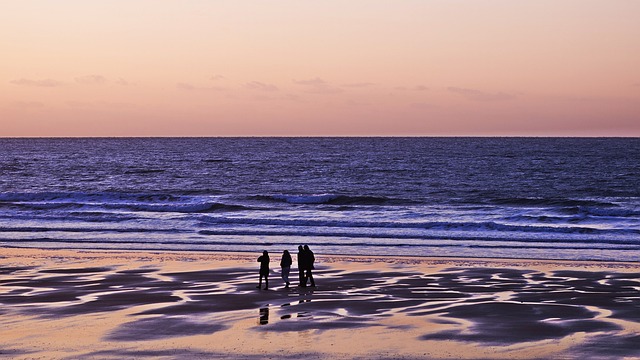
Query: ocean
[534, 198]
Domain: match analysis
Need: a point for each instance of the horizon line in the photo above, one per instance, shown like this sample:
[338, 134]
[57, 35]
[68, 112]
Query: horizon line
[310, 136]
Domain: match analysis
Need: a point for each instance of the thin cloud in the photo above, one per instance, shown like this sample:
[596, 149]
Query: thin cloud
[217, 77]
[415, 88]
[110, 105]
[317, 86]
[311, 82]
[37, 83]
[358, 85]
[122, 82]
[478, 95]
[259, 86]
[91, 80]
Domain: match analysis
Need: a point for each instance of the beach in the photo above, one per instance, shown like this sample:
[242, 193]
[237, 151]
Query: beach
[70, 304]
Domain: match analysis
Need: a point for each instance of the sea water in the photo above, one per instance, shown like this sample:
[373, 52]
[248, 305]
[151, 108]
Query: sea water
[541, 198]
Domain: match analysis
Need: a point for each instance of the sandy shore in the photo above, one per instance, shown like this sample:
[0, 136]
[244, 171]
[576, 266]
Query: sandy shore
[114, 305]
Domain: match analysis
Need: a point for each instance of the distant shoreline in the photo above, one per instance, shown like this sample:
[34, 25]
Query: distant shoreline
[332, 137]
[7, 252]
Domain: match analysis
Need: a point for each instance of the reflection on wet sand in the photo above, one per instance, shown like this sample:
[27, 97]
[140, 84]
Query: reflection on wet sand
[264, 316]
[503, 311]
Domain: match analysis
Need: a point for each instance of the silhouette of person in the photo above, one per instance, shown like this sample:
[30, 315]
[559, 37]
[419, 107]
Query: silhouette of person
[301, 266]
[285, 264]
[309, 260]
[264, 269]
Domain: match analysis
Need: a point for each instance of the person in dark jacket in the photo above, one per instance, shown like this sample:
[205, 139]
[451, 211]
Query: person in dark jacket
[308, 265]
[301, 266]
[285, 265]
[264, 270]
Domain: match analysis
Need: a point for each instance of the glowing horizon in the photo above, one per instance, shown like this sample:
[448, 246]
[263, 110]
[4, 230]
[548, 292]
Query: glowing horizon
[301, 68]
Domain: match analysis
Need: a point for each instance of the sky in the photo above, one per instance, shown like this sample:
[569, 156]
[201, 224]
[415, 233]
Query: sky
[320, 68]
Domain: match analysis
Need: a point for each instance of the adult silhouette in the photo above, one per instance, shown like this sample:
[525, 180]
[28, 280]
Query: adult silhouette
[309, 260]
[301, 266]
[285, 265]
[264, 270]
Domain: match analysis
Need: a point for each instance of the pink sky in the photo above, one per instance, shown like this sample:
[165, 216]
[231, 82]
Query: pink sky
[312, 68]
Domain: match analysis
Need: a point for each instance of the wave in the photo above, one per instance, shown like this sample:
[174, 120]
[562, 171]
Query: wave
[429, 236]
[37, 229]
[332, 199]
[80, 197]
[191, 245]
[117, 201]
[613, 237]
[181, 208]
[85, 216]
[545, 219]
[432, 225]
[203, 200]
[577, 216]
[43, 205]
[548, 202]
[204, 207]
[619, 212]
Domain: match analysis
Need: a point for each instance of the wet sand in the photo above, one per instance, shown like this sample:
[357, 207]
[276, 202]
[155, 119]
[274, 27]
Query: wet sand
[114, 305]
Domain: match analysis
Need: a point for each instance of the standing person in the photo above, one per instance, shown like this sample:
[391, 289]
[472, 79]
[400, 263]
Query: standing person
[301, 266]
[264, 270]
[309, 260]
[285, 264]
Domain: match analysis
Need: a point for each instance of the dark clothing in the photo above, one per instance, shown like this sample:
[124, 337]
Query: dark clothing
[309, 277]
[264, 265]
[307, 265]
[264, 269]
[309, 260]
[285, 265]
[286, 260]
[301, 262]
[306, 259]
